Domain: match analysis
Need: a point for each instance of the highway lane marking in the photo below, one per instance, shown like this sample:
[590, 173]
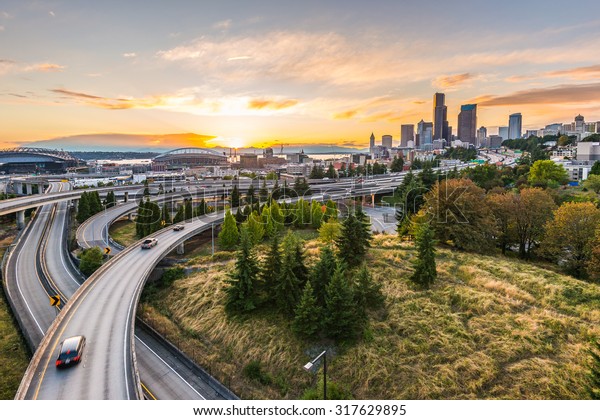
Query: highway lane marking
[148, 391]
[169, 366]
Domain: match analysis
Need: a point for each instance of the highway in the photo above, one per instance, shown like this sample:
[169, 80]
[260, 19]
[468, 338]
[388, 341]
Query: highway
[103, 310]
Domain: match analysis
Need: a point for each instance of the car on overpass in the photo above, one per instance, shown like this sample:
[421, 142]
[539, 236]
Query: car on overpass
[177, 228]
[70, 351]
[149, 243]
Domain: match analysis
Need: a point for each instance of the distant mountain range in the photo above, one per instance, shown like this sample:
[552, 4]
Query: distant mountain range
[116, 142]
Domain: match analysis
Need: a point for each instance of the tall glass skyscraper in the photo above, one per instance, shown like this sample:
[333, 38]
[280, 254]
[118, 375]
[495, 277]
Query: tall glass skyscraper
[440, 117]
[515, 123]
[467, 124]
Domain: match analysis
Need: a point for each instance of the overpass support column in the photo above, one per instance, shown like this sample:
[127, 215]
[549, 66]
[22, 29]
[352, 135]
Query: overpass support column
[75, 205]
[17, 188]
[40, 188]
[20, 219]
[126, 194]
[180, 248]
[29, 189]
[373, 200]
[130, 216]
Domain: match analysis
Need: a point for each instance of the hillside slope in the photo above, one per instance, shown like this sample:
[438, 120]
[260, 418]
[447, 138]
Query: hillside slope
[490, 327]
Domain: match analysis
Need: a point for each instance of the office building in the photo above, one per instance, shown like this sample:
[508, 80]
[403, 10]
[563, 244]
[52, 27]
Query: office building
[407, 133]
[494, 142]
[515, 124]
[248, 161]
[588, 151]
[440, 117]
[467, 124]
[372, 144]
[386, 141]
[579, 124]
[481, 136]
[503, 132]
[425, 135]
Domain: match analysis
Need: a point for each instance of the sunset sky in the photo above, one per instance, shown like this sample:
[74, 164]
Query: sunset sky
[292, 72]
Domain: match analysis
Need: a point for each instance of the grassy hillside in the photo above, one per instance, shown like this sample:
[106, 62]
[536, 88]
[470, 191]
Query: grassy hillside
[14, 356]
[490, 327]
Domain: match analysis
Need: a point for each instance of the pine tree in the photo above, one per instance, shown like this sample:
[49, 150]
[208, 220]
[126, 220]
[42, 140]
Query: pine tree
[425, 268]
[276, 192]
[255, 228]
[331, 171]
[593, 386]
[367, 293]
[316, 214]
[268, 222]
[251, 195]
[229, 235]
[166, 215]
[83, 208]
[271, 270]
[239, 216]
[364, 231]
[201, 209]
[354, 239]
[321, 274]
[180, 215]
[241, 292]
[234, 198]
[189, 211]
[110, 200]
[156, 217]
[95, 203]
[302, 213]
[288, 286]
[146, 189]
[340, 312]
[263, 193]
[277, 216]
[331, 211]
[307, 317]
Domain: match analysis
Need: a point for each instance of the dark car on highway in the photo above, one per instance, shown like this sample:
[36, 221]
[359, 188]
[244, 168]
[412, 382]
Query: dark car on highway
[70, 351]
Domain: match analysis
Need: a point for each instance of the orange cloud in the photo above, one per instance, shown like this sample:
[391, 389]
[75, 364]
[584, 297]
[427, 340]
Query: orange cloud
[45, 67]
[271, 104]
[445, 82]
[346, 115]
[580, 73]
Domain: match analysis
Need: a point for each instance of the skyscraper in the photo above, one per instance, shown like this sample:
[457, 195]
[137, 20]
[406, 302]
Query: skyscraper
[481, 136]
[425, 131]
[467, 124]
[503, 132]
[440, 117]
[372, 144]
[386, 141]
[515, 123]
[407, 133]
[579, 123]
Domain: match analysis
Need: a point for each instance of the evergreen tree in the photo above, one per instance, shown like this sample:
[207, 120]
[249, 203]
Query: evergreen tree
[255, 228]
[83, 208]
[271, 270]
[110, 200]
[331, 211]
[276, 193]
[201, 210]
[427, 177]
[307, 314]
[239, 216]
[156, 217]
[354, 239]
[263, 193]
[180, 215]
[364, 232]
[330, 231]
[340, 311]
[367, 293]
[593, 386]
[251, 195]
[146, 189]
[288, 286]
[595, 168]
[166, 215]
[229, 235]
[425, 267]
[234, 198]
[189, 211]
[242, 284]
[321, 274]
[397, 164]
[277, 216]
[302, 213]
[95, 203]
[316, 214]
[268, 222]
[331, 172]
[91, 260]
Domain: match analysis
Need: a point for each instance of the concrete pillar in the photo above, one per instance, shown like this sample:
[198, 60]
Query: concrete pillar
[20, 219]
[18, 188]
[373, 200]
[29, 189]
[180, 248]
[40, 188]
[130, 216]
[75, 205]
[126, 193]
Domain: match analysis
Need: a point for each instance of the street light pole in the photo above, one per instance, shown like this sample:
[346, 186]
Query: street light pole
[308, 367]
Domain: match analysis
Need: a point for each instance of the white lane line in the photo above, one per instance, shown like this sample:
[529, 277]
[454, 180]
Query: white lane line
[169, 366]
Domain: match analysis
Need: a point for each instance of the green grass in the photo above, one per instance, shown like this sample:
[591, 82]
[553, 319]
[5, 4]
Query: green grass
[490, 327]
[14, 356]
[123, 232]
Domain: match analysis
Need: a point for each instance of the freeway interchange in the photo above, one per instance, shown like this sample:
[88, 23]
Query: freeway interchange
[121, 361]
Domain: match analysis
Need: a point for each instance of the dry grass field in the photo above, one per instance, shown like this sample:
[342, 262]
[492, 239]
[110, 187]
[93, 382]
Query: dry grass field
[490, 328]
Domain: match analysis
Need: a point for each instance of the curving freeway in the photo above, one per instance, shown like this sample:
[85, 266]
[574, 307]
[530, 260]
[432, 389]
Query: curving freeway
[103, 310]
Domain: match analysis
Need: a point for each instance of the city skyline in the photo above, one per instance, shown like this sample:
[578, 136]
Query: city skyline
[283, 73]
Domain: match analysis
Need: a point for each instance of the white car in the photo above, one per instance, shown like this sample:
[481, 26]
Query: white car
[149, 243]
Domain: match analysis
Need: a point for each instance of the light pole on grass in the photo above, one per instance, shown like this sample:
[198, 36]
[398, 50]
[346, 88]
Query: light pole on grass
[308, 367]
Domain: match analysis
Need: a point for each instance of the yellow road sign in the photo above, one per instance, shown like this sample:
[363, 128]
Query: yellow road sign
[107, 250]
[55, 300]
